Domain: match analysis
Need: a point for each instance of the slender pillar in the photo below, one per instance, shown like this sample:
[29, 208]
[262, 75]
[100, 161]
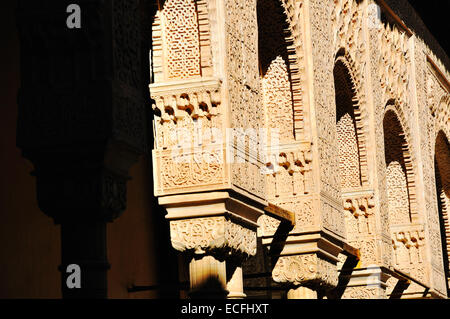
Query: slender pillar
[84, 244]
[207, 277]
[302, 293]
[215, 244]
[235, 283]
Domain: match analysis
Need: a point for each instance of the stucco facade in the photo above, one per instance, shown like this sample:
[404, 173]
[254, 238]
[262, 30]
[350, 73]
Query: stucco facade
[302, 146]
[224, 148]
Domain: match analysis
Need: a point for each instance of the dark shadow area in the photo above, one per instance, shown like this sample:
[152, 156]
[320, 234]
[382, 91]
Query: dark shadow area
[169, 285]
[394, 147]
[344, 278]
[442, 175]
[279, 241]
[210, 289]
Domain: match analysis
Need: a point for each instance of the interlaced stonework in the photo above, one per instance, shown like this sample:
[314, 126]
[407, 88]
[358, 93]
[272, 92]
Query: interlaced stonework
[182, 39]
[303, 145]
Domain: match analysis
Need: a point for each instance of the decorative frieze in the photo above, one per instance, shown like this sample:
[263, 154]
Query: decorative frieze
[195, 98]
[305, 270]
[290, 173]
[211, 234]
[360, 221]
[408, 250]
[182, 171]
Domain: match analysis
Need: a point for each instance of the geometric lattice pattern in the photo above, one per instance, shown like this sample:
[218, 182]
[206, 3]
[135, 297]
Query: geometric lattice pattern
[278, 99]
[275, 66]
[396, 174]
[347, 139]
[182, 39]
[349, 169]
[397, 194]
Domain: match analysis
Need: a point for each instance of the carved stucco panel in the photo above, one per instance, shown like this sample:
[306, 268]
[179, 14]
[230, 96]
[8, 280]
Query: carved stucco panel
[364, 292]
[212, 234]
[306, 269]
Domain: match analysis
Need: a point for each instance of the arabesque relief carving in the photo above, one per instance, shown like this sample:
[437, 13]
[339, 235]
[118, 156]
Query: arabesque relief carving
[305, 270]
[213, 233]
[333, 113]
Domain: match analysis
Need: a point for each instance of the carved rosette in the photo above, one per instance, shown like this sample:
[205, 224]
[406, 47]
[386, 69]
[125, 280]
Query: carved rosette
[305, 270]
[212, 235]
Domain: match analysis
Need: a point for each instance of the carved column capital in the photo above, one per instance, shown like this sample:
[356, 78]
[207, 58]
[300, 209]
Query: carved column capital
[213, 235]
[307, 270]
[218, 228]
[214, 223]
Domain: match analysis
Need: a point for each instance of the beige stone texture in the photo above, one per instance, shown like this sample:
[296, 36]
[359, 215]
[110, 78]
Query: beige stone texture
[323, 109]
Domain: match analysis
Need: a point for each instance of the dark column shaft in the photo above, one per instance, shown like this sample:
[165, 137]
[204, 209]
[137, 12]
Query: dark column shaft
[84, 244]
[82, 121]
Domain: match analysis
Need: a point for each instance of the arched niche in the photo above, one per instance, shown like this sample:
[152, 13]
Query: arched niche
[275, 52]
[347, 135]
[442, 173]
[398, 176]
[357, 196]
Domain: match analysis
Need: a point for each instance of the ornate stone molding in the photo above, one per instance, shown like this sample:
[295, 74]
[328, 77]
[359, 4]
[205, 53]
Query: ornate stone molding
[361, 207]
[394, 61]
[363, 292]
[306, 270]
[189, 170]
[408, 243]
[194, 97]
[212, 223]
[289, 174]
[209, 235]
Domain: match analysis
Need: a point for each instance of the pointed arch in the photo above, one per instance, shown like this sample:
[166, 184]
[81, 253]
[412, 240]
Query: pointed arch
[350, 121]
[442, 173]
[399, 171]
[279, 70]
[394, 109]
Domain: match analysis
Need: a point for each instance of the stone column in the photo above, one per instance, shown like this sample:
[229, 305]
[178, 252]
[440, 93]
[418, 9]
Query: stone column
[218, 232]
[81, 122]
[84, 244]
[207, 176]
[302, 293]
[207, 277]
[235, 284]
